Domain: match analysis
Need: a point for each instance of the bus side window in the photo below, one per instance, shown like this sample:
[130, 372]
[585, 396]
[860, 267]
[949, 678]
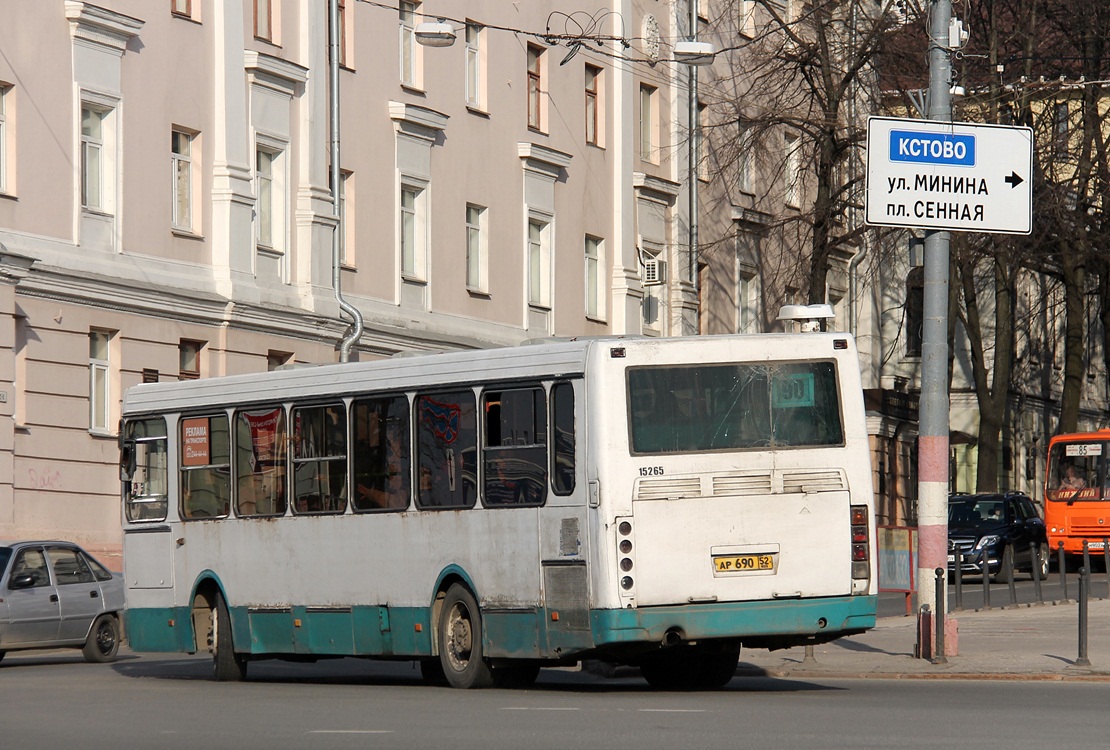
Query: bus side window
[446, 443]
[320, 459]
[260, 467]
[146, 489]
[563, 438]
[514, 450]
[205, 467]
[381, 455]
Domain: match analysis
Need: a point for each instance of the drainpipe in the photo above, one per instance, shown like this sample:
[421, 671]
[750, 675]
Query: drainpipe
[692, 191]
[354, 333]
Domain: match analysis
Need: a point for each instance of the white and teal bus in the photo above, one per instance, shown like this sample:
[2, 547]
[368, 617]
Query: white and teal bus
[651, 502]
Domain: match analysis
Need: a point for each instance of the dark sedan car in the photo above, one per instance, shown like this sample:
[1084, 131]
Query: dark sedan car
[56, 595]
[999, 527]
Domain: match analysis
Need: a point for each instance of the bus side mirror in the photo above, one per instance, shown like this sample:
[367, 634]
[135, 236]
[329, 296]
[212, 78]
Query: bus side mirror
[127, 460]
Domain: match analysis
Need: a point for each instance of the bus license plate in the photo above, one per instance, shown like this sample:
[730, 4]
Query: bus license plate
[743, 563]
[1096, 545]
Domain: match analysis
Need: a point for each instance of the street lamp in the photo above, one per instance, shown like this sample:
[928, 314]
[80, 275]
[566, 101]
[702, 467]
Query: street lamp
[694, 53]
[435, 33]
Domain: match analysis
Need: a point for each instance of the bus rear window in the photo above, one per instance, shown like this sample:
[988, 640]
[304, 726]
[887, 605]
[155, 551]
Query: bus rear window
[720, 407]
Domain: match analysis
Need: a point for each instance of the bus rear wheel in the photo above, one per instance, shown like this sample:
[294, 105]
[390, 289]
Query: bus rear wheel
[460, 641]
[227, 666]
[707, 667]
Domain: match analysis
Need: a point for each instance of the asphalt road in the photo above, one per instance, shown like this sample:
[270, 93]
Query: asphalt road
[55, 700]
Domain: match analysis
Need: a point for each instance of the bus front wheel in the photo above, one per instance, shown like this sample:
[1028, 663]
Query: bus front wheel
[227, 666]
[460, 641]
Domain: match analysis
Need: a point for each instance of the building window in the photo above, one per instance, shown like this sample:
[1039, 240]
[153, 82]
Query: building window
[745, 304]
[181, 148]
[5, 94]
[476, 248]
[270, 197]
[647, 123]
[346, 227]
[651, 260]
[473, 64]
[535, 87]
[263, 20]
[188, 356]
[699, 143]
[181, 7]
[342, 13]
[100, 381]
[746, 18]
[264, 188]
[1060, 126]
[744, 158]
[409, 49]
[276, 360]
[539, 264]
[593, 76]
[413, 232]
[595, 302]
[793, 172]
[92, 159]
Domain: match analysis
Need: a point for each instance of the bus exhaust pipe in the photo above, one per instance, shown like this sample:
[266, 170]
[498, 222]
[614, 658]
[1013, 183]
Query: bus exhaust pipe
[673, 637]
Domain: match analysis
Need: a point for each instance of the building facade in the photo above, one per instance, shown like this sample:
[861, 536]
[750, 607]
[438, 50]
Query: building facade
[166, 203]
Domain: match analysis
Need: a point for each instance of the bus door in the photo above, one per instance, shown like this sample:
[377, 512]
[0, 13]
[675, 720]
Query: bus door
[564, 539]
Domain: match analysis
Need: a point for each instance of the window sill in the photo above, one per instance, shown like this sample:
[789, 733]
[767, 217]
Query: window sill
[102, 434]
[9, 196]
[539, 307]
[186, 234]
[536, 130]
[415, 280]
[184, 17]
[598, 146]
[597, 319]
[412, 88]
[348, 267]
[479, 293]
[477, 111]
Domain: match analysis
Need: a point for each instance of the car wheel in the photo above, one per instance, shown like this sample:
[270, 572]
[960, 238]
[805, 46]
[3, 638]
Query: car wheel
[1005, 566]
[103, 641]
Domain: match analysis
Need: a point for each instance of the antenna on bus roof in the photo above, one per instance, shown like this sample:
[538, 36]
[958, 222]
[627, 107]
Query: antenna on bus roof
[808, 317]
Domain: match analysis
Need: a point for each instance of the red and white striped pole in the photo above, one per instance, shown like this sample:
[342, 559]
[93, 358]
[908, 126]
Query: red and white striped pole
[932, 446]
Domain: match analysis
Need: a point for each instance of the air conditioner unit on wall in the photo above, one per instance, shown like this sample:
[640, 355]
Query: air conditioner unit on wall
[655, 272]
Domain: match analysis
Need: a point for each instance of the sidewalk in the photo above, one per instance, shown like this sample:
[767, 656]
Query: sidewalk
[1026, 642]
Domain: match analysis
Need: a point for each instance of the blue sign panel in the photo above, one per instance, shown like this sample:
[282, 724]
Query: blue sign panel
[944, 149]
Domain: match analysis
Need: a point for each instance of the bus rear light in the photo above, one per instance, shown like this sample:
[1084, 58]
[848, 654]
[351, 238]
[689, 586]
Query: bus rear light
[626, 546]
[626, 564]
[861, 542]
[626, 583]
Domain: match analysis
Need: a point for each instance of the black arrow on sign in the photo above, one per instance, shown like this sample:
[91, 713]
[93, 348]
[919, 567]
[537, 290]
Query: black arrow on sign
[1014, 180]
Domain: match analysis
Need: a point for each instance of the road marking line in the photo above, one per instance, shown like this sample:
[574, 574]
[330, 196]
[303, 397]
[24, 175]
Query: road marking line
[537, 708]
[673, 710]
[350, 731]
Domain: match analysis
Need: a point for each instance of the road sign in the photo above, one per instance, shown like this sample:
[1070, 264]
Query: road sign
[953, 176]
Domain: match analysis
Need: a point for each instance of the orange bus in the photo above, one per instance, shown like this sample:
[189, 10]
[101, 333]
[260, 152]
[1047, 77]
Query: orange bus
[1077, 491]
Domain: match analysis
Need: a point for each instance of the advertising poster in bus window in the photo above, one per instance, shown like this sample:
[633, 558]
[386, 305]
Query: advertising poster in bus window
[194, 442]
[264, 428]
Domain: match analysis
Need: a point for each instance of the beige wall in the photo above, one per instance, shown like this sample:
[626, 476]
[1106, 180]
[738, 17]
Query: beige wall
[128, 271]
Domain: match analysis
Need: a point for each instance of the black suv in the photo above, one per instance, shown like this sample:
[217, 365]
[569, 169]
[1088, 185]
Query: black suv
[999, 526]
